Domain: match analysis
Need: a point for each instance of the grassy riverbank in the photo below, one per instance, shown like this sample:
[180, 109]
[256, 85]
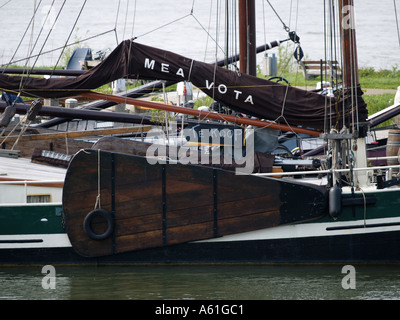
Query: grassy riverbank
[379, 87]
[369, 79]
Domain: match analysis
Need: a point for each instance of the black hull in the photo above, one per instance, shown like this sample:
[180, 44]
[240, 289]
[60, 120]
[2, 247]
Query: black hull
[382, 247]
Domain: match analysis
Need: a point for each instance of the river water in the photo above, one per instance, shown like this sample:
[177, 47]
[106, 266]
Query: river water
[187, 27]
[226, 282]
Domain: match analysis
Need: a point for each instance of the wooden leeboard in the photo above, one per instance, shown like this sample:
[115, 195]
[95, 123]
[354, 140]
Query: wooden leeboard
[165, 204]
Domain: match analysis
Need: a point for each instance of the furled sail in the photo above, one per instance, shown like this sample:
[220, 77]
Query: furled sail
[241, 92]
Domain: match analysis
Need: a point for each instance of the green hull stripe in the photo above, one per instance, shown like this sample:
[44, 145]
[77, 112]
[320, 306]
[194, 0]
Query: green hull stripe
[31, 219]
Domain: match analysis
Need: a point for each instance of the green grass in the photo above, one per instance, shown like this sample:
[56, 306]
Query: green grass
[18, 66]
[369, 78]
[377, 102]
[381, 79]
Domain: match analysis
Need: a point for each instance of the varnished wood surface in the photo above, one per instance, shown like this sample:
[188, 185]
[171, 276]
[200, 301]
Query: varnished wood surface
[64, 142]
[166, 204]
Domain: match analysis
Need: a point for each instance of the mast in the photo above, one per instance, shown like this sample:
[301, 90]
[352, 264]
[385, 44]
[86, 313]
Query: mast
[247, 37]
[226, 34]
[351, 83]
[348, 41]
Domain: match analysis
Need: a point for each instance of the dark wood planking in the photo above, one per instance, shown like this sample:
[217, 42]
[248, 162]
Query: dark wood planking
[192, 211]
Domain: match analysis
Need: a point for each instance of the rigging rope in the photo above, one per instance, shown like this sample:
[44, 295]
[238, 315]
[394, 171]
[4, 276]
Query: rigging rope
[23, 36]
[44, 22]
[116, 20]
[27, 119]
[192, 14]
[130, 44]
[208, 31]
[33, 28]
[58, 48]
[163, 26]
[287, 29]
[126, 18]
[5, 4]
[50, 31]
[397, 20]
[69, 36]
[30, 47]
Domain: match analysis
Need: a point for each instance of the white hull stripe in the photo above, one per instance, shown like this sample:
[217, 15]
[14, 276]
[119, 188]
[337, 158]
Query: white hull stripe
[305, 230]
[20, 241]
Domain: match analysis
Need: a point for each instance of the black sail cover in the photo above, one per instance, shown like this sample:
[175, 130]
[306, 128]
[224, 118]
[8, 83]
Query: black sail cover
[241, 92]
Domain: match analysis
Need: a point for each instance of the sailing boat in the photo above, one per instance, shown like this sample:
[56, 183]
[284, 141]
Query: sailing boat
[162, 210]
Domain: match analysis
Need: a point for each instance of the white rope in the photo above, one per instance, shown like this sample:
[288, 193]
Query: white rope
[66, 143]
[98, 203]
[190, 70]
[365, 207]
[25, 126]
[13, 129]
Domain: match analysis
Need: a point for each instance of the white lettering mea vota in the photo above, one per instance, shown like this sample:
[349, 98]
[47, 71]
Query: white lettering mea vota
[150, 64]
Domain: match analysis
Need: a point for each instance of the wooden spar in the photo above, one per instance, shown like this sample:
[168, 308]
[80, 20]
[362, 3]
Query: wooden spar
[101, 104]
[247, 37]
[76, 113]
[14, 181]
[54, 72]
[201, 114]
[77, 134]
[242, 36]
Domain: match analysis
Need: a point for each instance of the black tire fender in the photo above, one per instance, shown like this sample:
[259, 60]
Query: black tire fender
[88, 221]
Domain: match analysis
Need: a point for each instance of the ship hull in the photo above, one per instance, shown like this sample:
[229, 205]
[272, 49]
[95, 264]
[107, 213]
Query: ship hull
[374, 240]
[359, 248]
[367, 230]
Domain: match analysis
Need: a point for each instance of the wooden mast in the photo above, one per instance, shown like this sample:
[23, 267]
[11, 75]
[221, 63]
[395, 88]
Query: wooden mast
[351, 82]
[348, 40]
[247, 37]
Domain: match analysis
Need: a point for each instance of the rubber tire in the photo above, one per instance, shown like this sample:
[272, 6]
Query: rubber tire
[88, 220]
